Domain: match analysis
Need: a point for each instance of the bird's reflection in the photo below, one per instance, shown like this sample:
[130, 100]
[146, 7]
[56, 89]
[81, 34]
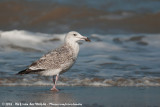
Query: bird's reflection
[38, 96]
[58, 97]
[53, 98]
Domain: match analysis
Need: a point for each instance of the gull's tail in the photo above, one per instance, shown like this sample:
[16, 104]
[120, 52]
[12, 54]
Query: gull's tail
[23, 72]
[29, 71]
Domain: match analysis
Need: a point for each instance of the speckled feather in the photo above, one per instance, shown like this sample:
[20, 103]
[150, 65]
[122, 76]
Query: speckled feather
[62, 57]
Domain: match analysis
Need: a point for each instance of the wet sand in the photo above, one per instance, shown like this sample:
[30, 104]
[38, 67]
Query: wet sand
[41, 96]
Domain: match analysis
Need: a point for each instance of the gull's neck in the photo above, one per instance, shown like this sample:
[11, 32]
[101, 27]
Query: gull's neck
[75, 46]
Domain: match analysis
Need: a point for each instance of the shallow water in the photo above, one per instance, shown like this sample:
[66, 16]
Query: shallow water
[85, 96]
[125, 40]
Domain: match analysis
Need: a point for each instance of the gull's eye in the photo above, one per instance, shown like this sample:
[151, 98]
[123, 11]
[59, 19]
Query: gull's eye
[75, 34]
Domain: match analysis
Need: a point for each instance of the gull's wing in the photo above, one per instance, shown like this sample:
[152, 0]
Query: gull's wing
[53, 60]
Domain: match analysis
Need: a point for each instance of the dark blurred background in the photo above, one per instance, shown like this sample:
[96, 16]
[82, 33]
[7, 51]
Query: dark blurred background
[88, 16]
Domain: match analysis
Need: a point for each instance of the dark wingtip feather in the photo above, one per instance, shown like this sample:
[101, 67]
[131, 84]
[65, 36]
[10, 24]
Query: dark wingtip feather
[27, 71]
[22, 72]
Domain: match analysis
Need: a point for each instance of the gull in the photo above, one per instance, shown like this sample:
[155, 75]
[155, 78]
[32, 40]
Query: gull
[59, 60]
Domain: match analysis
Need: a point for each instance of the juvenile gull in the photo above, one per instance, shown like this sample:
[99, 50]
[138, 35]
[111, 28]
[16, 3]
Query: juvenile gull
[59, 60]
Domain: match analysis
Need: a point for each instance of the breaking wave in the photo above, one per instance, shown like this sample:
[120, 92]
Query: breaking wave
[28, 41]
[97, 82]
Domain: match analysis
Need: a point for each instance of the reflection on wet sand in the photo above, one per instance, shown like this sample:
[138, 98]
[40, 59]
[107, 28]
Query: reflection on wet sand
[87, 96]
[37, 97]
[56, 98]
[53, 98]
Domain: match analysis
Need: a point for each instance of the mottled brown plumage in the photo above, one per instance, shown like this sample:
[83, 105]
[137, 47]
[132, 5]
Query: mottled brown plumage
[58, 60]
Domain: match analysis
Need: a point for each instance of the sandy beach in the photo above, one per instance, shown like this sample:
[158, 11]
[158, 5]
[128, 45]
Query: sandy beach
[41, 96]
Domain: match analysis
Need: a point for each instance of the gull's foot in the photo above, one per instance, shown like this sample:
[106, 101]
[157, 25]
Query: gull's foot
[54, 89]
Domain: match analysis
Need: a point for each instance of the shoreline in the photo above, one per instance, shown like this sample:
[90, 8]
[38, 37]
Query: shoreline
[80, 96]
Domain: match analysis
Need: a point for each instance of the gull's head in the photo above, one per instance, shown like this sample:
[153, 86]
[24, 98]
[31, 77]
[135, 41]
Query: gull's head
[74, 36]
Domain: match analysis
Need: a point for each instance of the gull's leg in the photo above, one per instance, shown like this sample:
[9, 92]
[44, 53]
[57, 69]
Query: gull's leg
[55, 81]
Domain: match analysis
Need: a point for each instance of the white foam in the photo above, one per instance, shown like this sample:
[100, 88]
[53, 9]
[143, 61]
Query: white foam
[123, 15]
[153, 40]
[28, 39]
[144, 81]
[104, 46]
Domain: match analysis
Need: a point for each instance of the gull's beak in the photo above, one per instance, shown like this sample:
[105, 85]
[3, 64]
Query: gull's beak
[86, 39]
